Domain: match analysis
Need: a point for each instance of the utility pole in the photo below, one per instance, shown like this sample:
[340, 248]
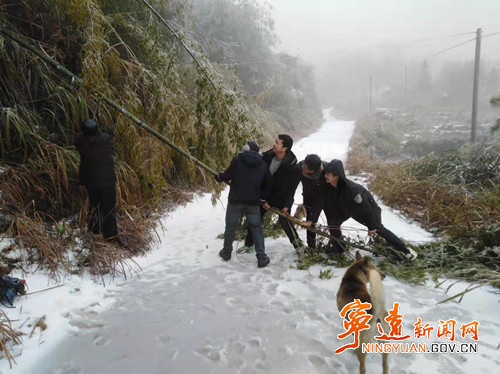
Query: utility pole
[475, 90]
[370, 94]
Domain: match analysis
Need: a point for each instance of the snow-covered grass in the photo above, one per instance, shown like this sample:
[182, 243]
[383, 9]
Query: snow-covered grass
[187, 311]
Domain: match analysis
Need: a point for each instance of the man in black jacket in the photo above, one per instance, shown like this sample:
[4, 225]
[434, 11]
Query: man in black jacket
[314, 185]
[247, 173]
[280, 186]
[97, 175]
[345, 199]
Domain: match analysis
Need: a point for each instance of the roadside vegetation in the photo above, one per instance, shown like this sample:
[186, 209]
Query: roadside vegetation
[123, 52]
[434, 175]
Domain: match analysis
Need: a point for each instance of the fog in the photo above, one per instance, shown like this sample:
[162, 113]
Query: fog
[396, 42]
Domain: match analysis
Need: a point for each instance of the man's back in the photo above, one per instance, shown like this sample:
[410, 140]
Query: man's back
[96, 159]
[247, 173]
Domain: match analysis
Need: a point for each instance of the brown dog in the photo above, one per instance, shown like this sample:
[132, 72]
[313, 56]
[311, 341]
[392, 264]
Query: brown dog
[353, 286]
[300, 212]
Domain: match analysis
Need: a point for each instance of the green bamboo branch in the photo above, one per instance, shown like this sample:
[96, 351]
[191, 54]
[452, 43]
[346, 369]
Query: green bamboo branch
[322, 233]
[110, 102]
[180, 40]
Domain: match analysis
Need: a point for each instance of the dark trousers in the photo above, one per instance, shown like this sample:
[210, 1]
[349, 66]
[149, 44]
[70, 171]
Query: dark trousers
[233, 214]
[285, 224]
[102, 203]
[389, 236]
[313, 216]
[392, 239]
[334, 228]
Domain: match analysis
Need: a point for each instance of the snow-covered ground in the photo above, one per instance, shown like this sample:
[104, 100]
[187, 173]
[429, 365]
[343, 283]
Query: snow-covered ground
[187, 311]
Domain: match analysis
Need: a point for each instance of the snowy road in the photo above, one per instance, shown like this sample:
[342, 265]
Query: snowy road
[189, 312]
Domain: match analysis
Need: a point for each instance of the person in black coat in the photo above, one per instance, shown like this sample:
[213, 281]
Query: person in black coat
[281, 185]
[97, 176]
[247, 174]
[314, 185]
[345, 199]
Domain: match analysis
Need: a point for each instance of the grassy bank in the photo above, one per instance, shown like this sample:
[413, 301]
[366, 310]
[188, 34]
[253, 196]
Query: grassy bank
[454, 193]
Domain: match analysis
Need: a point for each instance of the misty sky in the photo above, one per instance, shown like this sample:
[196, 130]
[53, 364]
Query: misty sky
[314, 29]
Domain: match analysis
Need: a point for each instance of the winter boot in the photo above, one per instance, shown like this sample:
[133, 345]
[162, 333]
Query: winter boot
[225, 254]
[263, 261]
[299, 247]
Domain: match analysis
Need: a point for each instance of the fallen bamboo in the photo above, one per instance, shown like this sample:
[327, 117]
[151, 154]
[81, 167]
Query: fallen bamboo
[326, 235]
[110, 102]
[161, 137]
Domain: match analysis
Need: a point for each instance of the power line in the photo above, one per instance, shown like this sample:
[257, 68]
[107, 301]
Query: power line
[441, 37]
[455, 46]
[468, 41]
[410, 42]
[494, 33]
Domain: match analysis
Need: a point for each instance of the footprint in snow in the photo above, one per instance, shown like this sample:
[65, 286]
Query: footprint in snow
[317, 361]
[271, 289]
[162, 339]
[210, 353]
[100, 340]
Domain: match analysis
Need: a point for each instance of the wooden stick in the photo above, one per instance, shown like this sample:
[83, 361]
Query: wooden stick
[46, 289]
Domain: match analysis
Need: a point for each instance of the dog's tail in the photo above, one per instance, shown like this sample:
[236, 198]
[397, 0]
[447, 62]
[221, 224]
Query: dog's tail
[300, 212]
[377, 293]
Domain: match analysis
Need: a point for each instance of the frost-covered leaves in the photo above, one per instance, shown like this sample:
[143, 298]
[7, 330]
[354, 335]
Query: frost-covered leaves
[495, 100]
[451, 259]
[456, 192]
[8, 337]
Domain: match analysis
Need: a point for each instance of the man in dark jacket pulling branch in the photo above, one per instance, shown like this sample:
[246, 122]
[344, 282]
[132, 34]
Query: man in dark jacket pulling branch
[345, 199]
[314, 185]
[97, 175]
[247, 174]
[281, 185]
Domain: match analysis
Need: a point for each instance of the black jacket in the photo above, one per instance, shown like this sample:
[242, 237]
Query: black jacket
[247, 173]
[350, 199]
[281, 186]
[96, 160]
[313, 189]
